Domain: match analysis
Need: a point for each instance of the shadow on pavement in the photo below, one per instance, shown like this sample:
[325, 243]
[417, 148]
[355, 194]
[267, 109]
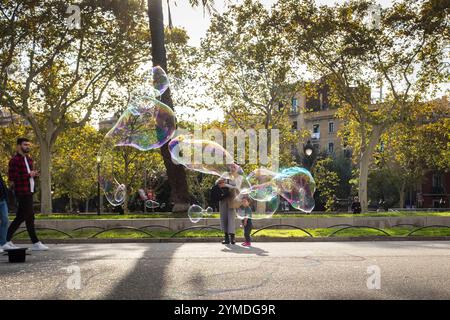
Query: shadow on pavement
[245, 250]
[147, 279]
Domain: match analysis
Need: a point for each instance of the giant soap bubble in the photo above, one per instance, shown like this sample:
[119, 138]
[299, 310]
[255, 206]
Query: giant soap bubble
[146, 124]
[297, 186]
[254, 209]
[262, 184]
[115, 192]
[204, 156]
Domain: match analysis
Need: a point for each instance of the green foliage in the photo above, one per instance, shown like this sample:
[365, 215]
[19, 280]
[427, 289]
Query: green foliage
[8, 135]
[250, 75]
[383, 185]
[405, 54]
[74, 169]
[327, 182]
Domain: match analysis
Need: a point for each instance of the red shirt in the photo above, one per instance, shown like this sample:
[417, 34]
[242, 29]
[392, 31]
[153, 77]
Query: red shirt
[18, 174]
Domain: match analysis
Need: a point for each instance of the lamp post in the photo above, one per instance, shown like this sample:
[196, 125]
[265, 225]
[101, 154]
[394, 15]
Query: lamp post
[98, 185]
[308, 149]
[145, 188]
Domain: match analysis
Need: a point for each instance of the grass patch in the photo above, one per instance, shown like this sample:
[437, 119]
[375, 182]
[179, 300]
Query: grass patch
[216, 215]
[267, 233]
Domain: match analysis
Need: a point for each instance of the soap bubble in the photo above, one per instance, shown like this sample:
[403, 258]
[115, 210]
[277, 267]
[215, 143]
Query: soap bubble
[204, 156]
[254, 209]
[297, 186]
[120, 193]
[262, 184]
[196, 213]
[115, 192]
[155, 83]
[160, 79]
[151, 204]
[146, 124]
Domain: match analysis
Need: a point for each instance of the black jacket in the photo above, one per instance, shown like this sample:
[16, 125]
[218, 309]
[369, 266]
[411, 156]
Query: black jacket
[218, 194]
[356, 207]
[3, 190]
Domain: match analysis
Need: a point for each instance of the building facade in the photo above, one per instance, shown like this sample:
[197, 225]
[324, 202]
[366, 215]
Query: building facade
[432, 192]
[319, 118]
[316, 116]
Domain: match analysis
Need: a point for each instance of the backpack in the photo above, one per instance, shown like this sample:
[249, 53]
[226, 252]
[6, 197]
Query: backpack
[217, 194]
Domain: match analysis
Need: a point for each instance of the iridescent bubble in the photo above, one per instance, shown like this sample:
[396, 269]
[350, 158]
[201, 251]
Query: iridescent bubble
[151, 204]
[120, 193]
[160, 79]
[196, 213]
[204, 156]
[297, 186]
[262, 184]
[146, 124]
[115, 192]
[254, 209]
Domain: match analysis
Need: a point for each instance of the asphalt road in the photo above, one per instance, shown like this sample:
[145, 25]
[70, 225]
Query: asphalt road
[290, 270]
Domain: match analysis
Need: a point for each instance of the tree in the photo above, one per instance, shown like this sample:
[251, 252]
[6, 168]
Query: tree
[417, 144]
[9, 135]
[74, 171]
[250, 76]
[175, 173]
[65, 71]
[403, 54]
[327, 182]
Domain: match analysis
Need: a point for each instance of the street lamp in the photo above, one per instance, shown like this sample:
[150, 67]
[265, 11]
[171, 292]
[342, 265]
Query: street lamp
[145, 188]
[308, 148]
[98, 185]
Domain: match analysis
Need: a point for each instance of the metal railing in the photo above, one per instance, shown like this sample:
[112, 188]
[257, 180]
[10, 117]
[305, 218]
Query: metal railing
[342, 228]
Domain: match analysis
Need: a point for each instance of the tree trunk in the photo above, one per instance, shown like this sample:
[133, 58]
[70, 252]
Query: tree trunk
[101, 202]
[179, 192]
[402, 195]
[127, 191]
[45, 177]
[70, 204]
[363, 177]
[364, 163]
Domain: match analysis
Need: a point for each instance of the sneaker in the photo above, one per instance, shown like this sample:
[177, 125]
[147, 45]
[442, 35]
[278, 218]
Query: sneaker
[246, 244]
[9, 246]
[38, 246]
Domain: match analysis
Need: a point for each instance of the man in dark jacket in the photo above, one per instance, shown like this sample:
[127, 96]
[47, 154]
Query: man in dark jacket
[356, 205]
[21, 177]
[4, 221]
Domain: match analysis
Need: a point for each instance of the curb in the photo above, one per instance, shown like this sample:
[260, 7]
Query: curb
[257, 239]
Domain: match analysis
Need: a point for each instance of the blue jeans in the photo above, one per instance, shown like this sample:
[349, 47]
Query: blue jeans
[3, 222]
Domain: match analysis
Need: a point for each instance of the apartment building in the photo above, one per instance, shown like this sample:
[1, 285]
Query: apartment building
[317, 116]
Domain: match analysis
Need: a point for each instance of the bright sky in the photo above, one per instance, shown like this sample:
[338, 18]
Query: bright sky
[196, 22]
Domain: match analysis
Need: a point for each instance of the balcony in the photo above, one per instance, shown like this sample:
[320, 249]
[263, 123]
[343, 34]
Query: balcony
[315, 135]
[437, 190]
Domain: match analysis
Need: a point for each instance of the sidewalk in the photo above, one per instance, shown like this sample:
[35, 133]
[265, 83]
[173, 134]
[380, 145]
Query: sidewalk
[408, 270]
